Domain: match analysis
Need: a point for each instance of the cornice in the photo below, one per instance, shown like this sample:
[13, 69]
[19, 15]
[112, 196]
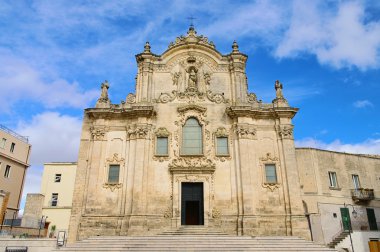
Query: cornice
[248, 111]
[132, 112]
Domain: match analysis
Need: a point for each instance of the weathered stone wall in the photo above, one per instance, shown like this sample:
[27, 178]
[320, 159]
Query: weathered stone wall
[33, 210]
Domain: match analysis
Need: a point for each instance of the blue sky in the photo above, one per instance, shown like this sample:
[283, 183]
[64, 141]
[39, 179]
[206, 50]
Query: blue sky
[55, 54]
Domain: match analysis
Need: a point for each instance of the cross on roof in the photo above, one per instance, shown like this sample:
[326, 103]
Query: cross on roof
[191, 18]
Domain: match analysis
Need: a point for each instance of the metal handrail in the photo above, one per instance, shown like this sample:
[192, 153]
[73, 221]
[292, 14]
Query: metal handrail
[11, 132]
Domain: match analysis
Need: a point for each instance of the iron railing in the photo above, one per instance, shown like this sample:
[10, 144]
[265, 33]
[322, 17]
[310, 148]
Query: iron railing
[11, 132]
[362, 194]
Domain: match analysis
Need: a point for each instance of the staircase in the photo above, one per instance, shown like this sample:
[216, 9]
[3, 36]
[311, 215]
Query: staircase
[338, 239]
[194, 239]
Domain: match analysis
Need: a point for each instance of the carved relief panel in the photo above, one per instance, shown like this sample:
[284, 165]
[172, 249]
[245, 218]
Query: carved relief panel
[191, 76]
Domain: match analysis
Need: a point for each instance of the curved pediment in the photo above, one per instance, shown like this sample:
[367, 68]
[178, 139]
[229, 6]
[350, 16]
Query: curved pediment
[191, 44]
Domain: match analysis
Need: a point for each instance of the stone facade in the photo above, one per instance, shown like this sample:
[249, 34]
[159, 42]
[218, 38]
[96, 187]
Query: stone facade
[191, 79]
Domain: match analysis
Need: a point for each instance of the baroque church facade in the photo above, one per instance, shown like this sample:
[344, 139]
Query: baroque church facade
[191, 147]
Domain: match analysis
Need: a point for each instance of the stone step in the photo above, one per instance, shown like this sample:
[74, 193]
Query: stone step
[188, 242]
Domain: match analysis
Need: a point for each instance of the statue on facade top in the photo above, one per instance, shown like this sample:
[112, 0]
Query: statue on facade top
[280, 101]
[103, 100]
[104, 87]
[278, 87]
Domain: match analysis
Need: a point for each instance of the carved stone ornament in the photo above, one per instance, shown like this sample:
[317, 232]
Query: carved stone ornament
[191, 96]
[138, 131]
[271, 186]
[268, 158]
[207, 78]
[252, 98]
[115, 160]
[168, 213]
[286, 132]
[131, 98]
[192, 165]
[162, 132]
[217, 98]
[97, 133]
[245, 131]
[215, 213]
[221, 132]
[175, 78]
[192, 38]
[186, 108]
[112, 186]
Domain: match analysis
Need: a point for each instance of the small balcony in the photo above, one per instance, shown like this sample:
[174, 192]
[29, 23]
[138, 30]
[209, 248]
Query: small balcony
[362, 194]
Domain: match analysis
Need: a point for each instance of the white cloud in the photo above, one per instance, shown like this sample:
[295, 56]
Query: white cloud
[20, 81]
[362, 104]
[255, 19]
[340, 38]
[53, 137]
[370, 146]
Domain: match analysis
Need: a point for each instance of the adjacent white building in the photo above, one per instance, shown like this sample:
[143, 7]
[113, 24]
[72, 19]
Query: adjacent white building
[57, 186]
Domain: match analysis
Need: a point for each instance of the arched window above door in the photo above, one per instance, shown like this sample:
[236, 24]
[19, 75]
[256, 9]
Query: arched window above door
[192, 140]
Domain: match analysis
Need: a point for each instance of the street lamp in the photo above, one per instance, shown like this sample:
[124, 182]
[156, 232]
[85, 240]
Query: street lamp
[354, 214]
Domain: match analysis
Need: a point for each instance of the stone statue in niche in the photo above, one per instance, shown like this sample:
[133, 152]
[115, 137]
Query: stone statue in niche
[278, 87]
[193, 78]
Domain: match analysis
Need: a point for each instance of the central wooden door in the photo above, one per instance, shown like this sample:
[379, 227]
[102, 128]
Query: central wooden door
[192, 204]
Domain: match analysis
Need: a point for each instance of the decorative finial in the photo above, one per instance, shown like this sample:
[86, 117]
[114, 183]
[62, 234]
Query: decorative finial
[235, 47]
[147, 47]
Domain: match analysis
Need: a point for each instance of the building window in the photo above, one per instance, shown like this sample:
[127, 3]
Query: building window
[2, 143]
[355, 180]
[54, 199]
[270, 173]
[162, 146]
[113, 174]
[7, 171]
[13, 147]
[57, 178]
[222, 146]
[333, 180]
[192, 138]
